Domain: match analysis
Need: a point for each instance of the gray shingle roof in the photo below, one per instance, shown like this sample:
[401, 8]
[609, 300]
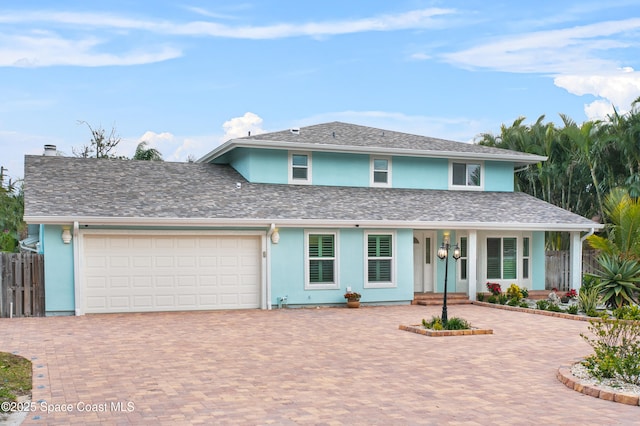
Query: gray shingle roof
[345, 135]
[65, 187]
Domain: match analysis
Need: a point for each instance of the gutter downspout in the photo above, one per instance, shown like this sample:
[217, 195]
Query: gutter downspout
[587, 235]
[76, 263]
[270, 232]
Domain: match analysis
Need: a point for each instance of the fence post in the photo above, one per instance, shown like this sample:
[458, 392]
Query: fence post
[2, 292]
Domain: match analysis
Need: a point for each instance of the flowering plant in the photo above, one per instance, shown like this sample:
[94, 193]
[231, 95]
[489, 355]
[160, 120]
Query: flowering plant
[494, 288]
[572, 293]
[352, 296]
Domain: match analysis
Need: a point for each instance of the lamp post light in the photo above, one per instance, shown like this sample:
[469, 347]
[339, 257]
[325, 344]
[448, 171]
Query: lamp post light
[443, 254]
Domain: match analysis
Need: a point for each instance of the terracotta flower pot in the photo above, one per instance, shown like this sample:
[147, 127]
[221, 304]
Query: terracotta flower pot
[353, 303]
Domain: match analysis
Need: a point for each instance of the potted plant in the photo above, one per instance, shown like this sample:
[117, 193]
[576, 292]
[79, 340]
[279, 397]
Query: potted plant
[353, 299]
[570, 295]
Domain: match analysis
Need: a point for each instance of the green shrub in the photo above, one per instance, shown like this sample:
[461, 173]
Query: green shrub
[525, 293]
[588, 299]
[616, 349]
[573, 309]
[589, 281]
[627, 312]
[7, 242]
[480, 297]
[453, 323]
[524, 304]
[492, 299]
[434, 324]
[619, 280]
[502, 298]
[542, 305]
[553, 307]
[513, 302]
[514, 292]
[456, 323]
[592, 313]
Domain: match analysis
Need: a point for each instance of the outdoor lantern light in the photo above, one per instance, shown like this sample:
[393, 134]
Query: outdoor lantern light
[66, 234]
[443, 254]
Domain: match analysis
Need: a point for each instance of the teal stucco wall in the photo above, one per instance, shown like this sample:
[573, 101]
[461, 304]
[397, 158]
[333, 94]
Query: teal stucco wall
[538, 270]
[287, 270]
[337, 169]
[498, 176]
[58, 272]
[420, 173]
[258, 165]
[345, 169]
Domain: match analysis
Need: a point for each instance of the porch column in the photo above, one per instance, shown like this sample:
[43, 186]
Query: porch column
[575, 271]
[472, 262]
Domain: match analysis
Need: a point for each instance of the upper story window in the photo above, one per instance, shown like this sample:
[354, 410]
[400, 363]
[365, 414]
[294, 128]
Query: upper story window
[380, 171]
[299, 168]
[467, 175]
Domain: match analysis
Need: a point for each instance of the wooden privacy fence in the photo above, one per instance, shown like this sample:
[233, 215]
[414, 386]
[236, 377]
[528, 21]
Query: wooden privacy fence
[558, 267]
[21, 285]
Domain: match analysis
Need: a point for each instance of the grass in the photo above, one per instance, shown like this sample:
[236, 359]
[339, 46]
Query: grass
[15, 377]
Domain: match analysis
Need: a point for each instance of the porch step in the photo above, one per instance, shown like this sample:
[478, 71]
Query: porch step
[430, 299]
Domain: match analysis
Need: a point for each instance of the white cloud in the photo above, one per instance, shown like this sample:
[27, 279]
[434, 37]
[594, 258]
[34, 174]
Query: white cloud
[619, 89]
[420, 56]
[559, 53]
[39, 49]
[598, 110]
[239, 127]
[552, 52]
[415, 19]
[42, 47]
[172, 147]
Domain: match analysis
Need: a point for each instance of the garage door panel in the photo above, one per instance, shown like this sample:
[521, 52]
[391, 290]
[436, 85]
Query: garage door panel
[141, 282]
[186, 262]
[138, 273]
[164, 262]
[141, 302]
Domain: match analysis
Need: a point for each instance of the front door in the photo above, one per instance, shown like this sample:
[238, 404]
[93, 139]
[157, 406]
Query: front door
[423, 261]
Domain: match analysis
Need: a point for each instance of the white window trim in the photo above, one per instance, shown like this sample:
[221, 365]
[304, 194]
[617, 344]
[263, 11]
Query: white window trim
[528, 257]
[519, 280]
[336, 263]
[394, 260]
[459, 263]
[372, 182]
[466, 187]
[293, 181]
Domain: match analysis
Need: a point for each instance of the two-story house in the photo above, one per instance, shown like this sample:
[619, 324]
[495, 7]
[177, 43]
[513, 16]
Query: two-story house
[296, 216]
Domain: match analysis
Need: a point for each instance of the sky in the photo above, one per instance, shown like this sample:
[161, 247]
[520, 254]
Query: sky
[187, 75]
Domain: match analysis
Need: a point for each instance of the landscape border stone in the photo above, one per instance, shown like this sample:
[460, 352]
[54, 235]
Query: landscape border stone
[572, 382]
[419, 329]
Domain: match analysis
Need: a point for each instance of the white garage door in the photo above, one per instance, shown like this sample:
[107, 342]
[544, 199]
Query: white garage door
[146, 273]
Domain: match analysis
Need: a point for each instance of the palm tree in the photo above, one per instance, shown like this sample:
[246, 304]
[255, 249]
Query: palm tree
[623, 218]
[147, 154]
[588, 148]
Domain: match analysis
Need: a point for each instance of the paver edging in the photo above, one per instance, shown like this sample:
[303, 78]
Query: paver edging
[572, 382]
[417, 328]
[535, 311]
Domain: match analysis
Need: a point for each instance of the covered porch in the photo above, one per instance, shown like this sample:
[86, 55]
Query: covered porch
[504, 256]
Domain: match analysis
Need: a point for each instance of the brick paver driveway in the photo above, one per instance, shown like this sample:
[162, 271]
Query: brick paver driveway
[313, 366]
